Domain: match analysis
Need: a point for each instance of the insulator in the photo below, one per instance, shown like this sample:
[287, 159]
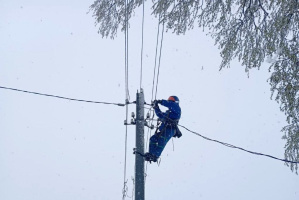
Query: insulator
[147, 115]
[133, 114]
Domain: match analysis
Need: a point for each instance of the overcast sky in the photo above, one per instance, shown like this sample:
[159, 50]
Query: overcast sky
[64, 150]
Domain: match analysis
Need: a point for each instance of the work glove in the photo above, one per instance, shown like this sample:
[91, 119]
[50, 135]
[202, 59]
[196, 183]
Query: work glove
[156, 102]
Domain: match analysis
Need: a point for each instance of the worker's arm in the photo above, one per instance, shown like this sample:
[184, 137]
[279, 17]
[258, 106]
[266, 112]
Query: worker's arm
[166, 103]
[174, 108]
[159, 113]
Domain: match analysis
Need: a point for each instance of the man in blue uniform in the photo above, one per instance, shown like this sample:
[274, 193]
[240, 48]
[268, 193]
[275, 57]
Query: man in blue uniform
[167, 129]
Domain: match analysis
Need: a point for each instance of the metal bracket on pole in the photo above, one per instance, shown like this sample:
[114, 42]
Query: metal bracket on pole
[149, 126]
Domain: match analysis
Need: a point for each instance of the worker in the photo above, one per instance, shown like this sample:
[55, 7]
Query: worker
[168, 127]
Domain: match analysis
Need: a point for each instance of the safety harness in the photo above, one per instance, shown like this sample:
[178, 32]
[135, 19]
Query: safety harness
[169, 123]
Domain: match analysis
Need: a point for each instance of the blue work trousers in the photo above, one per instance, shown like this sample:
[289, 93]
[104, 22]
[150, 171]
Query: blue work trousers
[159, 141]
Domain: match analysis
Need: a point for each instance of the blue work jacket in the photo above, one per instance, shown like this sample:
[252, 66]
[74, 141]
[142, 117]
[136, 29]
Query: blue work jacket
[173, 114]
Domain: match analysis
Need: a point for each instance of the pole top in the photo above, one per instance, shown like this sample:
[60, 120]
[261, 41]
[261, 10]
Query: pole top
[141, 90]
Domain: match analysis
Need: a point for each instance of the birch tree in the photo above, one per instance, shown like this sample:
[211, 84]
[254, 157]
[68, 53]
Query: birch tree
[252, 31]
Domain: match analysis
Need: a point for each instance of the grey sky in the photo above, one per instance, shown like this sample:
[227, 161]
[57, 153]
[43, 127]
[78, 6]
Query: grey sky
[58, 149]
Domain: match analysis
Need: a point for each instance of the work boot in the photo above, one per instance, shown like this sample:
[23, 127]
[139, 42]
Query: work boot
[150, 157]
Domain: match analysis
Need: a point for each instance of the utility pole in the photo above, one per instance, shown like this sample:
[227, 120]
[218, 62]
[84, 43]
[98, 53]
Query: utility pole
[139, 160]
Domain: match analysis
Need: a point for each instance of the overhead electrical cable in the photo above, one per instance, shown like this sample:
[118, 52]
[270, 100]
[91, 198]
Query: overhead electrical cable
[240, 148]
[156, 53]
[127, 51]
[157, 82]
[233, 146]
[60, 97]
[141, 64]
[125, 187]
[151, 112]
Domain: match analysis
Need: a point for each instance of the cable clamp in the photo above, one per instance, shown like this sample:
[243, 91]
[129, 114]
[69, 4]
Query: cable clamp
[133, 120]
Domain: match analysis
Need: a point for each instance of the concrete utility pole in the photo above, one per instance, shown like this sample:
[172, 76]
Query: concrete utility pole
[139, 160]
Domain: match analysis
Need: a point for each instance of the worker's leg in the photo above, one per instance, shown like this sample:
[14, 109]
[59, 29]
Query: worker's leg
[159, 141]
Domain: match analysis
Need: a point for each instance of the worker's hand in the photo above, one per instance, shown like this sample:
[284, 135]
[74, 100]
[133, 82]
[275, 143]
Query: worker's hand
[159, 101]
[155, 103]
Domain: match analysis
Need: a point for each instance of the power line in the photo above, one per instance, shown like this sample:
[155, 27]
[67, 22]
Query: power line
[150, 110]
[127, 52]
[142, 44]
[230, 145]
[157, 44]
[125, 187]
[240, 148]
[60, 97]
[156, 53]
[159, 60]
